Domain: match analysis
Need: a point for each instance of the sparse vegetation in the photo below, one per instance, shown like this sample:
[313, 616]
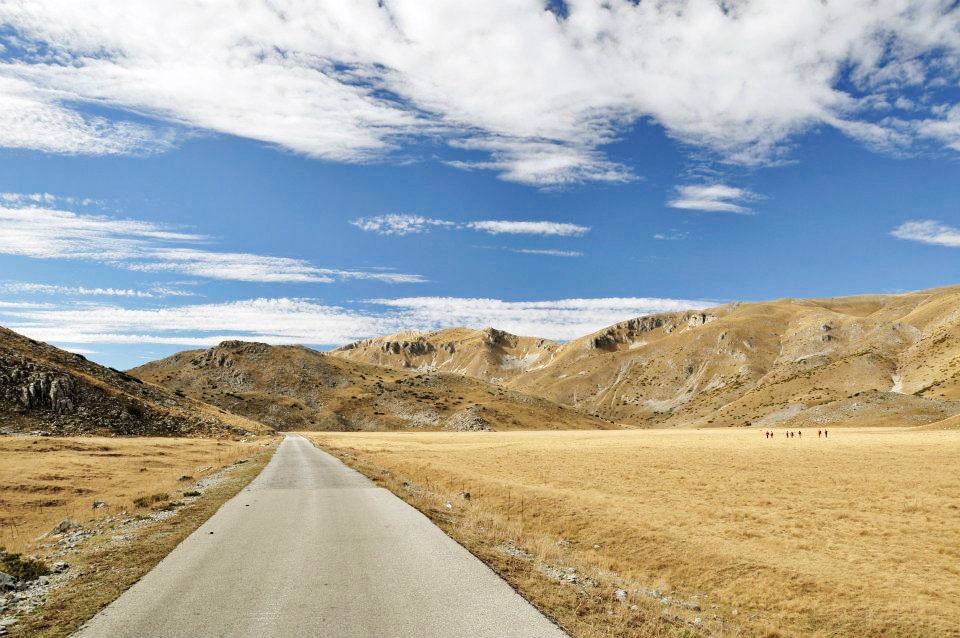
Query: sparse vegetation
[22, 568]
[44, 480]
[101, 573]
[850, 536]
[147, 501]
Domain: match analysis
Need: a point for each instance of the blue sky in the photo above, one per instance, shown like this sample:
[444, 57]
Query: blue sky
[361, 169]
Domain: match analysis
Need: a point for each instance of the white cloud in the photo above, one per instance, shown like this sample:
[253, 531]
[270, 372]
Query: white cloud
[83, 291]
[83, 351]
[35, 118]
[502, 227]
[673, 235]
[406, 224]
[24, 304]
[545, 164]
[553, 252]
[45, 233]
[712, 198]
[928, 231]
[398, 224]
[945, 127]
[285, 321]
[536, 97]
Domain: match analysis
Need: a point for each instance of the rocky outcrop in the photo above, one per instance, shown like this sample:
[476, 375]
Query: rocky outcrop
[39, 390]
[414, 348]
[468, 420]
[48, 390]
[494, 338]
[626, 332]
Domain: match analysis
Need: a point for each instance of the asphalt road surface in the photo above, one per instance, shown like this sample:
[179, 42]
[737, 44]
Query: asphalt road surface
[313, 548]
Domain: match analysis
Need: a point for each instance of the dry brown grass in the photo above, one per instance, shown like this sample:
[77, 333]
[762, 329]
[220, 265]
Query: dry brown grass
[851, 536]
[46, 480]
[103, 570]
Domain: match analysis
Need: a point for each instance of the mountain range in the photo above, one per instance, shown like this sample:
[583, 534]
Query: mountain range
[862, 360]
[870, 360]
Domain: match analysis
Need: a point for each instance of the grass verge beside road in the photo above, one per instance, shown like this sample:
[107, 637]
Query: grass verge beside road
[650, 533]
[124, 546]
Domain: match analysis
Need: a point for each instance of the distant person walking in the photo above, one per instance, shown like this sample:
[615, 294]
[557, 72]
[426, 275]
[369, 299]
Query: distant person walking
[800, 433]
[825, 434]
[819, 433]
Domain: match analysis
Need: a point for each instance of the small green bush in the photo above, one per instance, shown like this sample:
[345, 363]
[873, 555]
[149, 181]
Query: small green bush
[192, 493]
[22, 568]
[147, 501]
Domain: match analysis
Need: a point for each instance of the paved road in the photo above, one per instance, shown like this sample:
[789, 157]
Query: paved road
[312, 548]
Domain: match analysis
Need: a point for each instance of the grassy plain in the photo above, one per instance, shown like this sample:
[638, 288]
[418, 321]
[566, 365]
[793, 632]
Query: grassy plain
[44, 480]
[854, 535]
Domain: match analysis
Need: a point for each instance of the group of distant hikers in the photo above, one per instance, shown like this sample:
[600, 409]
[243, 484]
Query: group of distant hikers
[790, 433]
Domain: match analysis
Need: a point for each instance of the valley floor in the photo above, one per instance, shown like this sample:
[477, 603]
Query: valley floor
[664, 532]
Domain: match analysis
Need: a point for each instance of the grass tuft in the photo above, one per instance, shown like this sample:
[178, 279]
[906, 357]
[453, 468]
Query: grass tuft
[22, 568]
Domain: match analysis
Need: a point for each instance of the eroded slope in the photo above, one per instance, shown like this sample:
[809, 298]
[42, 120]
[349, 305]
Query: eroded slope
[45, 389]
[296, 388]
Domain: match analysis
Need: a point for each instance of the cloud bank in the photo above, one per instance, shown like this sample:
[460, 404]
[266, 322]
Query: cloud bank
[287, 321]
[521, 90]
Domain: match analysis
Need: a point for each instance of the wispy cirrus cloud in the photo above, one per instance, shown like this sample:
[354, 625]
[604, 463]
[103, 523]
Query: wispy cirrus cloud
[714, 198]
[513, 82]
[551, 252]
[41, 232]
[38, 118]
[547, 228]
[19, 287]
[673, 235]
[399, 224]
[406, 224]
[928, 231]
[285, 320]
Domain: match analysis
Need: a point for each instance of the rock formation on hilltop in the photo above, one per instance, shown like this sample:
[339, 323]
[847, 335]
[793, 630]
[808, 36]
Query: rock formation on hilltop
[488, 354]
[46, 389]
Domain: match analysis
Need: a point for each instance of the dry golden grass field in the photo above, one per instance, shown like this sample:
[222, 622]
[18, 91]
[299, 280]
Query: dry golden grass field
[854, 535]
[46, 480]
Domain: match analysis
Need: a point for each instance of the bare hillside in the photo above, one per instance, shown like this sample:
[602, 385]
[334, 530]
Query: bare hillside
[296, 388]
[865, 360]
[45, 389]
[489, 354]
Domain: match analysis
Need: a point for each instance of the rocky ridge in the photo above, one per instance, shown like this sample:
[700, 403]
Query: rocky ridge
[879, 359]
[45, 389]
